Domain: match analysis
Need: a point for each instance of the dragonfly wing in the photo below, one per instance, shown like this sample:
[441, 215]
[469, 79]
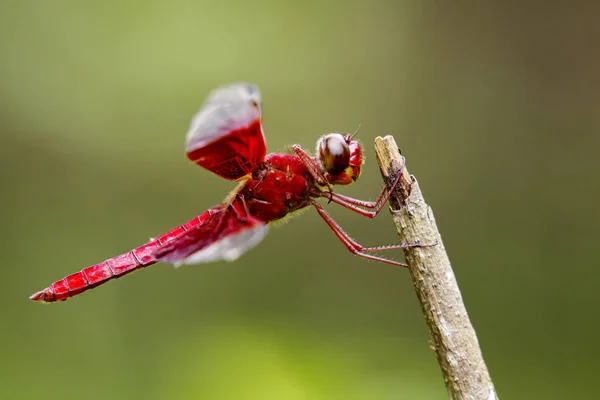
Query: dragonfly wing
[223, 236]
[226, 135]
[229, 248]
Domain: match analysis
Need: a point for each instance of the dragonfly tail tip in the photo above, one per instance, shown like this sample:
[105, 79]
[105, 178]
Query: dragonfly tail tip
[42, 296]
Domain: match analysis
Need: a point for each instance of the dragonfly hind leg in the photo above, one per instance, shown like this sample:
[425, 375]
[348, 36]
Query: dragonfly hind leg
[358, 249]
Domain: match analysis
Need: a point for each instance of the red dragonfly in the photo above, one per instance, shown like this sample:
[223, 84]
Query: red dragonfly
[226, 138]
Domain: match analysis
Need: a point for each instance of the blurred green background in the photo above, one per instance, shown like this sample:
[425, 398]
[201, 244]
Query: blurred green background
[496, 108]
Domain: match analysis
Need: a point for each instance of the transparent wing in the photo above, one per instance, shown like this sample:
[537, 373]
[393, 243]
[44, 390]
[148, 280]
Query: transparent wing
[222, 236]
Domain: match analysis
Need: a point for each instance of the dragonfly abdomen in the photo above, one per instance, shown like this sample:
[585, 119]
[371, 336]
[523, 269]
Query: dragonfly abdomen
[112, 268]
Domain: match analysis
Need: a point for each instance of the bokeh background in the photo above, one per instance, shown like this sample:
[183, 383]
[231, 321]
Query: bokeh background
[495, 106]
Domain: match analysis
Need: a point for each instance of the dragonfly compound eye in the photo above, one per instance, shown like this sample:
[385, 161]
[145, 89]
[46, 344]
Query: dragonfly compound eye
[334, 153]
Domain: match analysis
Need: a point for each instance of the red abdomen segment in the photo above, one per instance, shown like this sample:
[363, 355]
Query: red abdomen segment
[115, 267]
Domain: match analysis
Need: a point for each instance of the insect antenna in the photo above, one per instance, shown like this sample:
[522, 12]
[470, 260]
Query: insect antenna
[355, 132]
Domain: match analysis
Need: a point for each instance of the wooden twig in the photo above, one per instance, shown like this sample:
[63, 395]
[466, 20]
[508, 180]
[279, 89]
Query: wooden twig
[452, 336]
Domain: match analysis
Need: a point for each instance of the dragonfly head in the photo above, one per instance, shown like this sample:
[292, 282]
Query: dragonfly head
[340, 157]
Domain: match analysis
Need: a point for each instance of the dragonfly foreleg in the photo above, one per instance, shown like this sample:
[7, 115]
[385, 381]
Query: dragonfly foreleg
[357, 205]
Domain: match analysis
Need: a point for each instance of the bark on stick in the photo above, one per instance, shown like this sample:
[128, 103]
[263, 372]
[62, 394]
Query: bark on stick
[452, 336]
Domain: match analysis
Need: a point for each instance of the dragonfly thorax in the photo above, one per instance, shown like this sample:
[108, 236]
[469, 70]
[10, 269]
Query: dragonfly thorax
[283, 185]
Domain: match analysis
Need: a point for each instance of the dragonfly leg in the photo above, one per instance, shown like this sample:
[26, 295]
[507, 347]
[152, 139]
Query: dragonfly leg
[311, 164]
[358, 206]
[314, 170]
[358, 249]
